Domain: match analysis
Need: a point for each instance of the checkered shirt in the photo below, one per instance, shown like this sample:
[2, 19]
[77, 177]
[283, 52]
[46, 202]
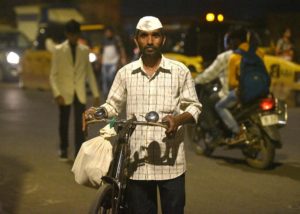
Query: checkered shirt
[170, 90]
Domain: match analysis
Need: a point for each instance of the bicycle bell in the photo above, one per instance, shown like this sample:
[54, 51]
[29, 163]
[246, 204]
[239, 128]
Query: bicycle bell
[152, 116]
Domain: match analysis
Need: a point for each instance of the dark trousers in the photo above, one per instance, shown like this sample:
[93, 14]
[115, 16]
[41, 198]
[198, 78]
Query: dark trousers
[142, 196]
[64, 117]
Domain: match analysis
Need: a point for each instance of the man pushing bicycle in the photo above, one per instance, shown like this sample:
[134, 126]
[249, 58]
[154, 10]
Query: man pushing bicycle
[154, 83]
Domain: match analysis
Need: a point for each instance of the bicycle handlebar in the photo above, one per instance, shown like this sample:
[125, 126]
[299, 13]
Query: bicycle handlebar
[122, 121]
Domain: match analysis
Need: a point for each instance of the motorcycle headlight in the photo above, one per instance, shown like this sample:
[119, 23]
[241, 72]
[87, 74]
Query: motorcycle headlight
[13, 58]
[92, 57]
[215, 88]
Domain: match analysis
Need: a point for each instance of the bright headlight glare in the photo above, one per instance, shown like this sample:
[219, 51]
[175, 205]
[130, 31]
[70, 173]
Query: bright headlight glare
[13, 58]
[92, 57]
[215, 88]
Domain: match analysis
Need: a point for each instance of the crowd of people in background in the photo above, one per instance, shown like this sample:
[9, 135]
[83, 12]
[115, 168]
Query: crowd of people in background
[113, 54]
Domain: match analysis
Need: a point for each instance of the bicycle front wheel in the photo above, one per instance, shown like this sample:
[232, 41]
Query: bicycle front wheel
[103, 201]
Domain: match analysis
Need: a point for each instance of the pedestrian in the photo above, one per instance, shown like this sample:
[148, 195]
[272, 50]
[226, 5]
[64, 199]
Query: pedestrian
[154, 83]
[112, 56]
[69, 71]
[284, 46]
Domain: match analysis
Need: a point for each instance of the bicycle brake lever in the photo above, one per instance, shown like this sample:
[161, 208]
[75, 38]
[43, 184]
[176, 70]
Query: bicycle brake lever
[165, 122]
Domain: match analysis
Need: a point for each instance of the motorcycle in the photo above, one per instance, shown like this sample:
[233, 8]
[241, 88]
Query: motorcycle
[261, 121]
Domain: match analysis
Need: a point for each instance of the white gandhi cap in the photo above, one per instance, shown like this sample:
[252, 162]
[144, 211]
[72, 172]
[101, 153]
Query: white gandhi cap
[148, 23]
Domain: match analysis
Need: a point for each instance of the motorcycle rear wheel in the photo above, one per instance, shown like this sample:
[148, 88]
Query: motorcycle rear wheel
[262, 155]
[103, 201]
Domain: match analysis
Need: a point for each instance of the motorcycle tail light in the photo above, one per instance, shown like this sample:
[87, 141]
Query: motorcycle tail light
[267, 104]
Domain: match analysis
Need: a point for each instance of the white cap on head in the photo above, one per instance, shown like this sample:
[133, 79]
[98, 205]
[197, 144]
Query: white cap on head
[148, 23]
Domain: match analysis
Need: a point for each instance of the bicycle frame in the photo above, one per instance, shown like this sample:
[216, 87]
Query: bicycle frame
[118, 172]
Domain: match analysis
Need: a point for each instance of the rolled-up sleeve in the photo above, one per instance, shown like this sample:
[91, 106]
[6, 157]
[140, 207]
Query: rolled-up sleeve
[117, 96]
[189, 101]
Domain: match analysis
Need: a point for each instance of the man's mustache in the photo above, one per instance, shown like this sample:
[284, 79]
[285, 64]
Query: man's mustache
[149, 46]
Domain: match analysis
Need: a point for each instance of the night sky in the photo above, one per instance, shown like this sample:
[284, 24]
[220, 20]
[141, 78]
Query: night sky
[243, 10]
[232, 9]
[235, 9]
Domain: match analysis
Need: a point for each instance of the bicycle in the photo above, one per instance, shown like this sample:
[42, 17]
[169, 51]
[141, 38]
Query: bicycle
[110, 197]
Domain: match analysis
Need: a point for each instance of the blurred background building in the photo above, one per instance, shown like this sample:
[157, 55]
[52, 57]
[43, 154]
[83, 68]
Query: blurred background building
[273, 14]
[195, 31]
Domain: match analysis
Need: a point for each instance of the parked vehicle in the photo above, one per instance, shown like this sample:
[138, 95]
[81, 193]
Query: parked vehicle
[13, 43]
[32, 18]
[261, 121]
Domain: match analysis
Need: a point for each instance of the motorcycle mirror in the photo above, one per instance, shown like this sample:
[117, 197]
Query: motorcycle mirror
[152, 116]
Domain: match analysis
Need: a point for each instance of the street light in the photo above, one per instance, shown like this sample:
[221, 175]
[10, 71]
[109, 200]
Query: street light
[210, 17]
[220, 18]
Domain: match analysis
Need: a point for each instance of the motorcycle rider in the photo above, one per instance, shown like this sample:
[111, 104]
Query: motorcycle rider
[217, 69]
[240, 39]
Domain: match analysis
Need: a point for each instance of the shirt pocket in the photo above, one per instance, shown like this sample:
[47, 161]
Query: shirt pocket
[168, 100]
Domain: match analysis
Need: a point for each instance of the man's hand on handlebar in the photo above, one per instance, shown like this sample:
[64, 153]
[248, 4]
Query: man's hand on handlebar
[94, 113]
[175, 121]
[172, 125]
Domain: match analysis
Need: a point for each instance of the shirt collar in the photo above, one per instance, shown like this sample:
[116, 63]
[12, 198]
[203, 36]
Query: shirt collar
[164, 66]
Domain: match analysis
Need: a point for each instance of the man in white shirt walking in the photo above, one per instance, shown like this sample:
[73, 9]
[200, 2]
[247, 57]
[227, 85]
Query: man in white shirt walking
[69, 71]
[154, 83]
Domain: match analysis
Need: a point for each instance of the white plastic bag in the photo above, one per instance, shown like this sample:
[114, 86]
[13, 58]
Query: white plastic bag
[93, 159]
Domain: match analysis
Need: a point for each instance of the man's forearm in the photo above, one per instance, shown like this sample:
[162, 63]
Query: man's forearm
[184, 118]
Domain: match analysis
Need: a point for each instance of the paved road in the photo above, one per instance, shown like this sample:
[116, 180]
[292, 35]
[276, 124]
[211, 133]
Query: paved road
[33, 181]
